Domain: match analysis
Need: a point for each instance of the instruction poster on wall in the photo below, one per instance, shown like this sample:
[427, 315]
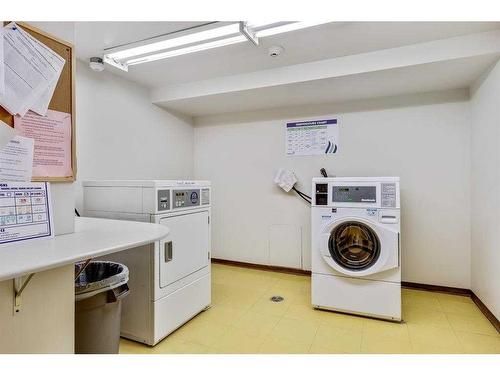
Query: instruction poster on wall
[52, 135]
[315, 137]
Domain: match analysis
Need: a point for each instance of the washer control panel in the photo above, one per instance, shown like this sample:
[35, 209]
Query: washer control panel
[205, 196]
[163, 200]
[388, 195]
[185, 198]
[356, 194]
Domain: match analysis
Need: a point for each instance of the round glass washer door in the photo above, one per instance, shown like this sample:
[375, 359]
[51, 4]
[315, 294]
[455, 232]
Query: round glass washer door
[354, 245]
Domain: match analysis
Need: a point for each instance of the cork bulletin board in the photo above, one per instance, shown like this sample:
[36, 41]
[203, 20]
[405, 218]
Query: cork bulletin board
[64, 94]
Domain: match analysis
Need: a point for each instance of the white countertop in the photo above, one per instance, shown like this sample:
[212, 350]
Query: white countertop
[92, 238]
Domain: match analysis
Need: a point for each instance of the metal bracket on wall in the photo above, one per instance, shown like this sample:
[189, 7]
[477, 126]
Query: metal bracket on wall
[19, 286]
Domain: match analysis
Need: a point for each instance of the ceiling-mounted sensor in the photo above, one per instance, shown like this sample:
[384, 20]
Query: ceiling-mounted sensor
[96, 64]
[275, 51]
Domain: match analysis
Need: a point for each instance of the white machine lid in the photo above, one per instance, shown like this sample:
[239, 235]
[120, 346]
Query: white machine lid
[146, 183]
[355, 179]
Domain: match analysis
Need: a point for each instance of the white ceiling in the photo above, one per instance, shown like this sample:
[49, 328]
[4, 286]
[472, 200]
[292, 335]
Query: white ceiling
[93, 37]
[447, 75]
[320, 42]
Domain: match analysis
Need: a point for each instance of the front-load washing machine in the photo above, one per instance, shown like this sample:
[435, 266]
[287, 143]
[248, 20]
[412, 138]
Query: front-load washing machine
[356, 246]
[169, 280]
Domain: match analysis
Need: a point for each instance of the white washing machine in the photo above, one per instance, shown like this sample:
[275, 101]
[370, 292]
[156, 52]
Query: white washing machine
[170, 280]
[356, 247]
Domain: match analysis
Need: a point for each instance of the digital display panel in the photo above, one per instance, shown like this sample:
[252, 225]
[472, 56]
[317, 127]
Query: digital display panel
[356, 194]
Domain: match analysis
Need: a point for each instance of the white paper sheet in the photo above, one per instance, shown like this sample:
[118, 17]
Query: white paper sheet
[41, 104]
[16, 159]
[6, 134]
[52, 135]
[25, 212]
[30, 70]
[2, 68]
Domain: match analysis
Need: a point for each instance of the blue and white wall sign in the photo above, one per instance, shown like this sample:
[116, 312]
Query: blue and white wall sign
[316, 137]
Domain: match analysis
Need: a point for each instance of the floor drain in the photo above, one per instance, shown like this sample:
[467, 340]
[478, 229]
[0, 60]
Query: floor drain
[277, 299]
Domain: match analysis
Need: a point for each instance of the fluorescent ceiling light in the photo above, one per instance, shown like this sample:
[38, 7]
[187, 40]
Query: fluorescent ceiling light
[176, 42]
[257, 25]
[286, 28]
[199, 41]
[186, 50]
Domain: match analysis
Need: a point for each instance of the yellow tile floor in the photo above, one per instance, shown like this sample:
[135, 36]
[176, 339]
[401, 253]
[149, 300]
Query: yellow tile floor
[242, 319]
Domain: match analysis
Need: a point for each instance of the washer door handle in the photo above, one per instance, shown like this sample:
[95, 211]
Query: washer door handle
[169, 248]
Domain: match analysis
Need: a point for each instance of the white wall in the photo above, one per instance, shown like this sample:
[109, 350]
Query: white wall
[485, 200]
[121, 135]
[428, 146]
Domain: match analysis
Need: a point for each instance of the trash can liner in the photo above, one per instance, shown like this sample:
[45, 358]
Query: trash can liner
[98, 277]
[99, 290]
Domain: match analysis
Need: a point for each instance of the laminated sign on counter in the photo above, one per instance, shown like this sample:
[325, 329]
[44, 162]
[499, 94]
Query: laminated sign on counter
[25, 211]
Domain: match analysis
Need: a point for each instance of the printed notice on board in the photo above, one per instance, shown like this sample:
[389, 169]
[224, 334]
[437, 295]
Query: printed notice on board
[2, 67]
[16, 160]
[31, 72]
[6, 133]
[52, 135]
[315, 137]
[25, 211]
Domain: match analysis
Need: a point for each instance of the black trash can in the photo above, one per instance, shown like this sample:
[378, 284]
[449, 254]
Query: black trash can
[99, 289]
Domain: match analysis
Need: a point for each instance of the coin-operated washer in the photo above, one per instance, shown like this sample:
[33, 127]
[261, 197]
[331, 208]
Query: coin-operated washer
[356, 248]
[170, 280]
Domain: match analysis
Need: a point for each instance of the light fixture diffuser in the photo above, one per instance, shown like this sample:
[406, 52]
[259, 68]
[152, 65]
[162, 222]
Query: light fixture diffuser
[199, 41]
[186, 50]
[201, 36]
[292, 26]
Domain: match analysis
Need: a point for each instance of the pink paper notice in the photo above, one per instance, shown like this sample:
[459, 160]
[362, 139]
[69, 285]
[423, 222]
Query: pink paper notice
[52, 135]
